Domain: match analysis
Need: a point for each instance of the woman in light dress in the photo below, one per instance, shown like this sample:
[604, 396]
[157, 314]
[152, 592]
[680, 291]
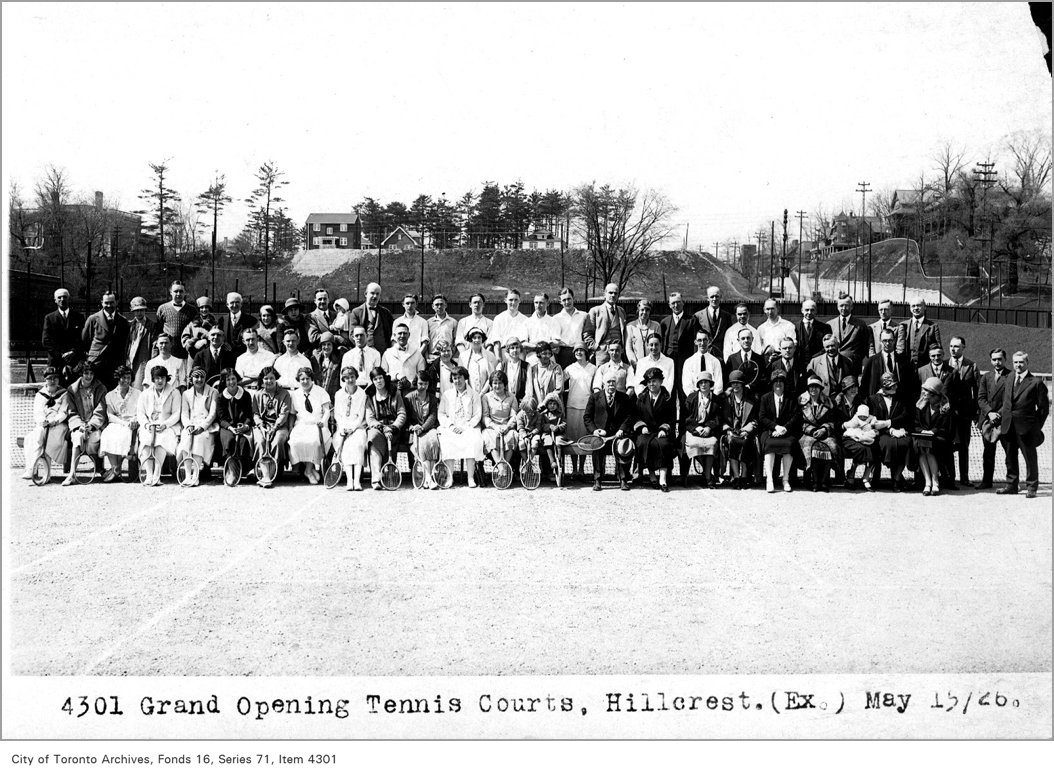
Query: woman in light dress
[200, 403]
[121, 422]
[460, 415]
[49, 418]
[499, 417]
[349, 410]
[158, 413]
[309, 440]
[579, 377]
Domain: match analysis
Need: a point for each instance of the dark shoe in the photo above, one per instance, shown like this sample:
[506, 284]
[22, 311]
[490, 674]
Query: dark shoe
[983, 485]
[1007, 490]
[663, 487]
[1030, 494]
[624, 485]
[596, 485]
[950, 485]
[850, 483]
[684, 481]
[654, 482]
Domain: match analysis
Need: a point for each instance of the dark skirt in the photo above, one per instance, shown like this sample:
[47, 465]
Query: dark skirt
[654, 452]
[739, 448]
[894, 452]
[860, 453]
[782, 445]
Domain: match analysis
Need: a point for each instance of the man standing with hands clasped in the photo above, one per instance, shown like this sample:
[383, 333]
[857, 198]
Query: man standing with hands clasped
[1026, 405]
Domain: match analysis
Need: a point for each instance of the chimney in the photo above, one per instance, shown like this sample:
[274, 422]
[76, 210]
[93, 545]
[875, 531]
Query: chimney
[98, 200]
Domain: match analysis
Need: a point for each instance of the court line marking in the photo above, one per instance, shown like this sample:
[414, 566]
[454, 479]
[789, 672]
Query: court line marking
[165, 504]
[200, 587]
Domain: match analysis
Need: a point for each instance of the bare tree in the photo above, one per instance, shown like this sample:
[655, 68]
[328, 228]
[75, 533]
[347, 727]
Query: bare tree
[621, 228]
[91, 221]
[822, 226]
[53, 197]
[882, 206]
[1023, 233]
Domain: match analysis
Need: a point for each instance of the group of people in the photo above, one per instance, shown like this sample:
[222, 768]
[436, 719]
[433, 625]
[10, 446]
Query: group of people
[732, 403]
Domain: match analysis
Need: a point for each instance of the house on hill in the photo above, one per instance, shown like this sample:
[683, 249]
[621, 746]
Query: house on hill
[333, 231]
[848, 229]
[402, 239]
[540, 239]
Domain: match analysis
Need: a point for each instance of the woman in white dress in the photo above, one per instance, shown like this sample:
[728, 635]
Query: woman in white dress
[460, 414]
[499, 417]
[158, 413]
[349, 409]
[579, 377]
[121, 424]
[310, 439]
[200, 404]
[479, 363]
[49, 417]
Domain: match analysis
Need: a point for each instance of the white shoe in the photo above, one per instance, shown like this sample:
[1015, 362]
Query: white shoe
[786, 486]
[472, 483]
[770, 487]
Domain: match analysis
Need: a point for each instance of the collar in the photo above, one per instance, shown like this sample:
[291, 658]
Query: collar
[237, 393]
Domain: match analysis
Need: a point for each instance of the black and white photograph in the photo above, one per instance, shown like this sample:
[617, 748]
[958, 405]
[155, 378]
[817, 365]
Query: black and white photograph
[524, 371]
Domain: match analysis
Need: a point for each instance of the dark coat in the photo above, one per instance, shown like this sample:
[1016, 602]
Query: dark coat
[682, 335]
[232, 332]
[213, 364]
[63, 336]
[990, 394]
[946, 374]
[794, 376]
[414, 408]
[521, 385]
[717, 329]
[658, 416]
[789, 416]
[331, 382]
[381, 337]
[811, 345]
[855, 342]
[940, 423]
[916, 346]
[234, 411]
[1025, 408]
[620, 417]
[901, 415]
[832, 373]
[712, 418]
[904, 369]
[735, 363]
[303, 327]
[962, 390]
[105, 342]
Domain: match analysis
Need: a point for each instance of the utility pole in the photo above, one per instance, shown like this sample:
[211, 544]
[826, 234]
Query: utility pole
[735, 253]
[760, 234]
[783, 256]
[686, 226]
[772, 253]
[863, 188]
[114, 243]
[984, 175]
[801, 247]
[870, 262]
[562, 283]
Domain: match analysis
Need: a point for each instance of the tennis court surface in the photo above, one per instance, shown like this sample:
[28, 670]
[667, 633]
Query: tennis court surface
[298, 580]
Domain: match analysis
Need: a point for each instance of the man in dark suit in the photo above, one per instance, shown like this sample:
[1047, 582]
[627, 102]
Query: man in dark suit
[851, 333]
[885, 320]
[234, 322]
[214, 357]
[962, 393]
[105, 337]
[744, 360]
[830, 366]
[810, 332]
[1026, 405]
[937, 367]
[917, 333]
[792, 366]
[886, 360]
[375, 319]
[678, 334]
[323, 315]
[990, 393]
[609, 413]
[61, 337]
[713, 320]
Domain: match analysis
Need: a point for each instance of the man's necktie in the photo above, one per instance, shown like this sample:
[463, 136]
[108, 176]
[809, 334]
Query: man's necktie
[889, 362]
[307, 405]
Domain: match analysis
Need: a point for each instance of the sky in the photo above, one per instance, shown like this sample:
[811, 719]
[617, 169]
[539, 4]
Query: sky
[735, 112]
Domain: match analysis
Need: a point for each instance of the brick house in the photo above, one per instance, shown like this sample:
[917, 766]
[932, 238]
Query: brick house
[333, 231]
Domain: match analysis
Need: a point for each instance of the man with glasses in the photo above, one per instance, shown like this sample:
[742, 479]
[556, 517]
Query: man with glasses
[730, 344]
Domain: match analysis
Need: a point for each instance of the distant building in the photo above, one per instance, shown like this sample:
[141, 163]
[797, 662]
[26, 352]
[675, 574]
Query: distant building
[848, 229]
[333, 231]
[540, 239]
[402, 239]
[77, 229]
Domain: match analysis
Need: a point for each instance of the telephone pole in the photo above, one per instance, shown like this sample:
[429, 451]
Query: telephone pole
[801, 247]
[783, 256]
[984, 175]
[863, 188]
[760, 234]
[772, 253]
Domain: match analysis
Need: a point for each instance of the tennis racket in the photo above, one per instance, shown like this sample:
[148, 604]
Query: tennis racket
[750, 371]
[335, 470]
[266, 467]
[148, 469]
[501, 474]
[441, 475]
[41, 470]
[84, 473]
[593, 442]
[232, 467]
[391, 478]
[558, 464]
[187, 472]
[417, 472]
[530, 472]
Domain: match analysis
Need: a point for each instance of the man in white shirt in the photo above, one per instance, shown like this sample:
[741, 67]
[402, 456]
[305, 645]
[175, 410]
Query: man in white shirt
[291, 361]
[774, 330]
[403, 361]
[730, 344]
[441, 328]
[638, 331]
[541, 327]
[362, 357]
[254, 360]
[416, 326]
[475, 319]
[654, 359]
[614, 365]
[511, 322]
[569, 322]
[178, 368]
[700, 361]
